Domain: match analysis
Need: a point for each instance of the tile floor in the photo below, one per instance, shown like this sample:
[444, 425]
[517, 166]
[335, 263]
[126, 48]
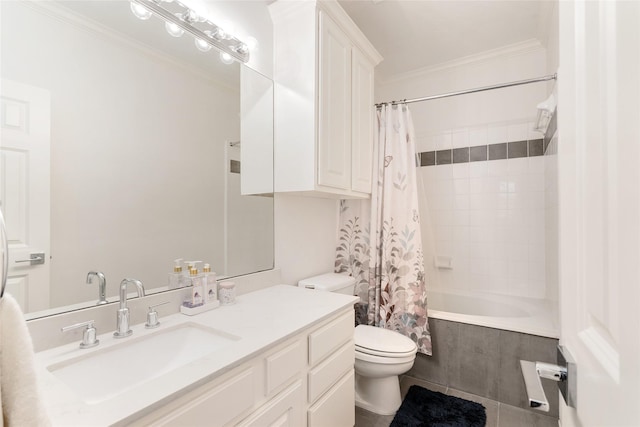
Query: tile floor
[498, 414]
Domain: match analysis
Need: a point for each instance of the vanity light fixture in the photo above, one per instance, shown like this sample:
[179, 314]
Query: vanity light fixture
[180, 19]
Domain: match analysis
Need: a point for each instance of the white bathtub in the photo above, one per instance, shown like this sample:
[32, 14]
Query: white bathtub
[526, 315]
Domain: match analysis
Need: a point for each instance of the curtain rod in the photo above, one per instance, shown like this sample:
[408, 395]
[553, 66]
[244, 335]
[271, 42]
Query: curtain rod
[464, 92]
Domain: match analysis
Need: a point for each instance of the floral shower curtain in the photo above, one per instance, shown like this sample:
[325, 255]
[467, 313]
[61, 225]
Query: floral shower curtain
[379, 239]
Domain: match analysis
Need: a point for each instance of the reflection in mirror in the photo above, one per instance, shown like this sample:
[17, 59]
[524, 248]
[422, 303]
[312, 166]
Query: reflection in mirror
[122, 151]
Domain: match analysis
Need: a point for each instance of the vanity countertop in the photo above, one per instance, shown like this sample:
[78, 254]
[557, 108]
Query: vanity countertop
[260, 319]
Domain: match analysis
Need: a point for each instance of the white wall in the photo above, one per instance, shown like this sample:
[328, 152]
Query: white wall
[487, 215]
[305, 236]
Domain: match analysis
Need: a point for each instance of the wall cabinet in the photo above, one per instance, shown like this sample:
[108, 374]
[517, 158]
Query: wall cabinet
[306, 381]
[324, 112]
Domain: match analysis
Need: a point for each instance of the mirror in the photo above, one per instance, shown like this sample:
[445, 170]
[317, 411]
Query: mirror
[122, 151]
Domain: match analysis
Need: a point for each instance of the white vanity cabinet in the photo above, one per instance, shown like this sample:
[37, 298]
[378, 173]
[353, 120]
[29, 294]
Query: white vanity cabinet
[308, 380]
[324, 112]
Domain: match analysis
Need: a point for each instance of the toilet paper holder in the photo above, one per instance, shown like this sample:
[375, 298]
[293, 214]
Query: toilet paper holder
[564, 373]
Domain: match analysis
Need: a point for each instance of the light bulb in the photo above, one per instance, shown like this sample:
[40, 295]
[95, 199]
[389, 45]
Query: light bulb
[202, 45]
[173, 29]
[140, 11]
[226, 58]
[251, 43]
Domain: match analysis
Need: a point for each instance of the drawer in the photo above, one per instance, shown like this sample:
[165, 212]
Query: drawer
[283, 365]
[284, 410]
[329, 337]
[336, 408]
[327, 373]
[217, 406]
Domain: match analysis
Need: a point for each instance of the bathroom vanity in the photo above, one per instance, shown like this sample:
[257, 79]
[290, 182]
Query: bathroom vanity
[282, 355]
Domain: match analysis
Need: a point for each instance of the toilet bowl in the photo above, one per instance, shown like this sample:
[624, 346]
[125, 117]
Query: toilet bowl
[380, 354]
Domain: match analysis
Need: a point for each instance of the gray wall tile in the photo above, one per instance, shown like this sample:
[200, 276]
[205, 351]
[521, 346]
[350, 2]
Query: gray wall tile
[478, 154]
[427, 158]
[461, 155]
[517, 149]
[536, 147]
[551, 129]
[498, 151]
[478, 366]
[436, 368]
[443, 157]
[234, 166]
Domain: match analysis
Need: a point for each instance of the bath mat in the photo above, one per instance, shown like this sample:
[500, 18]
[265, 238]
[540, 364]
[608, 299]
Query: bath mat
[426, 408]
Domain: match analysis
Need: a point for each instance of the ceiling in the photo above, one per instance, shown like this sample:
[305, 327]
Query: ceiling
[416, 34]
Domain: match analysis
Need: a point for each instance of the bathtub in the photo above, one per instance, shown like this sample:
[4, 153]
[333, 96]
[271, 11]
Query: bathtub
[517, 314]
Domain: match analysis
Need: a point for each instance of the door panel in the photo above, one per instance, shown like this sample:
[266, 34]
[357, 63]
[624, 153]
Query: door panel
[25, 189]
[362, 123]
[334, 133]
[599, 200]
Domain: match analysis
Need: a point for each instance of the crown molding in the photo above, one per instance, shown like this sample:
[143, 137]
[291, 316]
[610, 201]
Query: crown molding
[531, 45]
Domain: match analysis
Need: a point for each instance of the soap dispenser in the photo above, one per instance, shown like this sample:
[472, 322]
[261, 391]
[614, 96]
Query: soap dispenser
[197, 288]
[210, 285]
[177, 279]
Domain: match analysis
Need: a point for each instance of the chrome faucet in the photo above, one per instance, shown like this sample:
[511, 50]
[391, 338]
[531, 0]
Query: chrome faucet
[102, 286]
[122, 325]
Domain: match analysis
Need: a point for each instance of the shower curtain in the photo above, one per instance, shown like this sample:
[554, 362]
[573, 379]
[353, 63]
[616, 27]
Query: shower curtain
[379, 241]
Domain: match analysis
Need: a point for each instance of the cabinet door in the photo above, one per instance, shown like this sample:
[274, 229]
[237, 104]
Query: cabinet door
[336, 408]
[334, 119]
[215, 407]
[362, 124]
[285, 410]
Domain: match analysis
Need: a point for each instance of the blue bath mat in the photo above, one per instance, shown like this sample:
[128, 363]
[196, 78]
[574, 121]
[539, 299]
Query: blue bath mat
[426, 408]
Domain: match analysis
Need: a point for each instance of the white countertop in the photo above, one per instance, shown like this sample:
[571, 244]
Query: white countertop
[261, 319]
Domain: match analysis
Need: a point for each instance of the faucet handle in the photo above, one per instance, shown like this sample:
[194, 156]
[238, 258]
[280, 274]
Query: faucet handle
[88, 336]
[152, 316]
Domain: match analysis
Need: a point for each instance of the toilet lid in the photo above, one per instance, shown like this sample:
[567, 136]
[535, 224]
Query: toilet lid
[379, 341]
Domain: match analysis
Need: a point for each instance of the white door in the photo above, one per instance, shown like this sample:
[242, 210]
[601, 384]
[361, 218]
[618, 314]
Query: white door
[25, 189]
[599, 199]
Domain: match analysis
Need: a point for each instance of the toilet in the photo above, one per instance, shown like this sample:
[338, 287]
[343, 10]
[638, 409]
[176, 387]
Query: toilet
[381, 355]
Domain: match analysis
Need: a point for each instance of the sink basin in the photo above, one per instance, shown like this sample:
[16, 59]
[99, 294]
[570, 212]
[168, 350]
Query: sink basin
[108, 372]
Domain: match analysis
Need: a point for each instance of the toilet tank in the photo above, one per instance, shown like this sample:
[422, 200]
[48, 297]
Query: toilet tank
[330, 282]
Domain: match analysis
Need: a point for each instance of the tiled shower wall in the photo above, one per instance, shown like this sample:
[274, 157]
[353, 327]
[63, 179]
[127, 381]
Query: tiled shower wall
[483, 208]
[487, 216]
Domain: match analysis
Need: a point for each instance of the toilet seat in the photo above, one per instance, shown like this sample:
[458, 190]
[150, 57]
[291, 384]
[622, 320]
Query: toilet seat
[384, 360]
[382, 343]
